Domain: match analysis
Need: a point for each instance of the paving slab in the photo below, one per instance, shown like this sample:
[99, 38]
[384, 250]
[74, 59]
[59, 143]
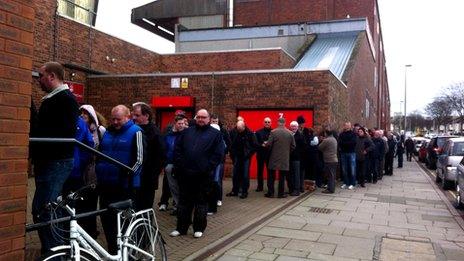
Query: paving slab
[402, 217]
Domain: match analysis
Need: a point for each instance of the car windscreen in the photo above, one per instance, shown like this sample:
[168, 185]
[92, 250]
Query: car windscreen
[458, 149]
[441, 142]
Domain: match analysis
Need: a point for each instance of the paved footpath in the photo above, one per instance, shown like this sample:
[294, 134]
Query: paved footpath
[402, 217]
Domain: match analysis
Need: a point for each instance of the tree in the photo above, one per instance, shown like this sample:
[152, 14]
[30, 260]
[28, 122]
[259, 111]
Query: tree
[440, 111]
[454, 96]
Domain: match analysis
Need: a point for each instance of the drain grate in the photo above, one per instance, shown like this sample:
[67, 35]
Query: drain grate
[321, 210]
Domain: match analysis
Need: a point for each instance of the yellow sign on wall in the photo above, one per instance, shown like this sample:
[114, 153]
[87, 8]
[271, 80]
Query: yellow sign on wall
[184, 83]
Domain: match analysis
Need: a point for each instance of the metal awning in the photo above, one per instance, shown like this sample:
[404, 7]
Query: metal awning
[160, 17]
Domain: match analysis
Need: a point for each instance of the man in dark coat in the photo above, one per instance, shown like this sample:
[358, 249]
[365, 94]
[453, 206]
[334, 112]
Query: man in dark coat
[377, 154]
[262, 153]
[57, 118]
[198, 151]
[391, 141]
[400, 151]
[154, 159]
[296, 155]
[242, 147]
[410, 147]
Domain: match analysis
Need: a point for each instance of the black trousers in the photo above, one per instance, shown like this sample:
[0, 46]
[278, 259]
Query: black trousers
[361, 169]
[110, 194]
[409, 155]
[271, 179]
[165, 192]
[88, 203]
[400, 160]
[194, 189]
[389, 164]
[262, 159]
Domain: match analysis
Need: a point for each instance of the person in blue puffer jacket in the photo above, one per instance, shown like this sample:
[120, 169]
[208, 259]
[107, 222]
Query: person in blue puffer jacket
[124, 142]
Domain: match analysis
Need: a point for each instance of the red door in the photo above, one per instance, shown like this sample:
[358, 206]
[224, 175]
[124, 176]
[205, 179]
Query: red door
[254, 120]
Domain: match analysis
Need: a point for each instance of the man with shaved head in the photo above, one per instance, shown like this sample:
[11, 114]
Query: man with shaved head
[262, 153]
[242, 147]
[124, 142]
[197, 153]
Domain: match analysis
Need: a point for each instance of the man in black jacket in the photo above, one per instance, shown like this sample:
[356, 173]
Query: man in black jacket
[154, 158]
[262, 153]
[377, 154]
[242, 147]
[391, 141]
[198, 150]
[347, 144]
[53, 163]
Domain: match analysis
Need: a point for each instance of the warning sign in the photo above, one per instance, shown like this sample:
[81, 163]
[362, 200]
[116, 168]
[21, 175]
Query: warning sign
[184, 83]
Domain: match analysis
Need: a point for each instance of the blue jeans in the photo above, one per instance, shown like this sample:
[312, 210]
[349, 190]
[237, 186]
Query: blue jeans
[349, 168]
[218, 176]
[241, 177]
[49, 179]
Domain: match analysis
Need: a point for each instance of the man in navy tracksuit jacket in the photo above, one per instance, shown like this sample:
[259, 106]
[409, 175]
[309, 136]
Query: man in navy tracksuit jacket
[199, 149]
[124, 142]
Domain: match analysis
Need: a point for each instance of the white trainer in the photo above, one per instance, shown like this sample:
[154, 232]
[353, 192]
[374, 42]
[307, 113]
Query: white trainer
[219, 203]
[210, 213]
[175, 233]
[351, 187]
[162, 207]
[197, 234]
[343, 186]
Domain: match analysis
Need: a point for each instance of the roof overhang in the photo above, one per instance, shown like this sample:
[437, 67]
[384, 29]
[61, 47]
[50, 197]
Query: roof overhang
[160, 17]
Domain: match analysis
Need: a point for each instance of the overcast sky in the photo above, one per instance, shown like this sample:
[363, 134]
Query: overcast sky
[427, 34]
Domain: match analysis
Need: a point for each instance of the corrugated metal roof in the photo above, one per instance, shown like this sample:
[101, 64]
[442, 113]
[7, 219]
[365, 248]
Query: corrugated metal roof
[329, 51]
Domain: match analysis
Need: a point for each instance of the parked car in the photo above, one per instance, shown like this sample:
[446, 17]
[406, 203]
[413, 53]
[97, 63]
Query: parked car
[448, 160]
[434, 148]
[418, 141]
[423, 151]
[460, 185]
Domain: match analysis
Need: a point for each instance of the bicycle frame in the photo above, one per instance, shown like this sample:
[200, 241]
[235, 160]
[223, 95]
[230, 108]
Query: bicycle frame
[80, 239]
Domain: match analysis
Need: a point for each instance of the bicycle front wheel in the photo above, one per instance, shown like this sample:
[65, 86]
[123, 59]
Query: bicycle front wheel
[145, 237]
[64, 254]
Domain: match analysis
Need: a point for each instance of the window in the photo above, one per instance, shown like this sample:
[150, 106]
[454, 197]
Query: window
[368, 105]
[83, 11]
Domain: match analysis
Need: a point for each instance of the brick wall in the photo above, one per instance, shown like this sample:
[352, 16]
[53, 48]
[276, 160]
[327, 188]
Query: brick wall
[16, 49]
[265, 12]
[226, 61]
[304, 89]
[76, 43]
[359, 78]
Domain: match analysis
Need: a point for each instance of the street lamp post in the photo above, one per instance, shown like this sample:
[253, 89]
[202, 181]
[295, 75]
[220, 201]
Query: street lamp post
[405, 89]
[401, 119]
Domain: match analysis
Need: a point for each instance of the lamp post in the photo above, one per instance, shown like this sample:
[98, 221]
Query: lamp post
[405, 89]
[401, 114]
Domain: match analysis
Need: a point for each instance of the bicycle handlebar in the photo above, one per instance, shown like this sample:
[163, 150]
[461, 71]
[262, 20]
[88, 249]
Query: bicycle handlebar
[36, 226]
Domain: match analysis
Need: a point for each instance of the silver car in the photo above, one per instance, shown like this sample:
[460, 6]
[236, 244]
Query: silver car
[448, 161]
[460, 185]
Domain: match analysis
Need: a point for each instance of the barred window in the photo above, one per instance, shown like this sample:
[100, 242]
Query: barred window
[83, 11]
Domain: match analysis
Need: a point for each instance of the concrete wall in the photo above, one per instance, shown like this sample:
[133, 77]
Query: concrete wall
[16, 49]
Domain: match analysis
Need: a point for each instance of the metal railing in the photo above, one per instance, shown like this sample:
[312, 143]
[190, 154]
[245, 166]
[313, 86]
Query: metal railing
[82, 145]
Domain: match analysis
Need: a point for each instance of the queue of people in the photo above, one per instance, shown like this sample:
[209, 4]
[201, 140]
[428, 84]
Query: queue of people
[192, 155]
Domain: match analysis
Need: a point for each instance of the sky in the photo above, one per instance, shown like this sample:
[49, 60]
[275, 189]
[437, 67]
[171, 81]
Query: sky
[427, 34]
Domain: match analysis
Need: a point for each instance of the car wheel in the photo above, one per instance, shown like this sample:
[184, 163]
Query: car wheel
[458, 204]
[445, 184]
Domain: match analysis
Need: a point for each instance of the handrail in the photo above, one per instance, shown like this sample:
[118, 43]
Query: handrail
[71, 140]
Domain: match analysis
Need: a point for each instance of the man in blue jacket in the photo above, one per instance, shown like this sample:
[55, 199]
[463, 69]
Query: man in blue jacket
[198, 150]
[124, 142]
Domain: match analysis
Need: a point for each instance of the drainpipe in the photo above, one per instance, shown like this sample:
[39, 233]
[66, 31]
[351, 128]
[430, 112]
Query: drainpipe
[230, 22]
[212, 92]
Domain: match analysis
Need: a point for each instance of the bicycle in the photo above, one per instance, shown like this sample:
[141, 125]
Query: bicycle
[138, 237]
